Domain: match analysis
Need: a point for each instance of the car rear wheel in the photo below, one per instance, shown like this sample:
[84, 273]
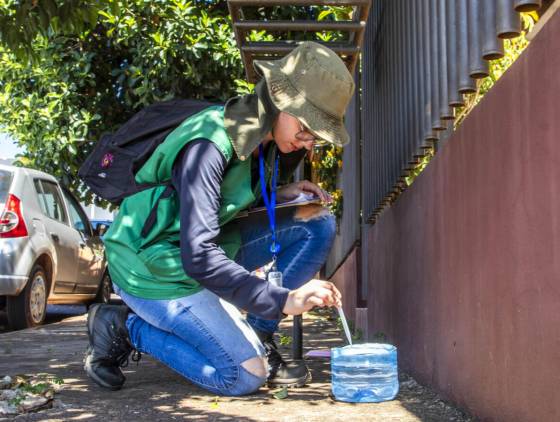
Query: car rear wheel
[105, 289]
[29, 308]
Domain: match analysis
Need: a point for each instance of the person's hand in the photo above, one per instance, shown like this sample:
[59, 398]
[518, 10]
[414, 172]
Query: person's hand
[313, 293]
[291, 191]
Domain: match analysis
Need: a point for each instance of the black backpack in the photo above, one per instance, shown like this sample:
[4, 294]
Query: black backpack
[110, 168]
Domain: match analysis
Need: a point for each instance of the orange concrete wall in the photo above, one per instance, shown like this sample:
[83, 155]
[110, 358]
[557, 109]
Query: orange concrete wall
[464, 270]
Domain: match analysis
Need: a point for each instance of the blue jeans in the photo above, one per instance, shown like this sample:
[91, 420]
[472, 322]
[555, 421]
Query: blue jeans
[304, 250]
[206, 339]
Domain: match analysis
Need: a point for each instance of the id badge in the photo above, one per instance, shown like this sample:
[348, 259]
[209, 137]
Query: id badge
[275, 277]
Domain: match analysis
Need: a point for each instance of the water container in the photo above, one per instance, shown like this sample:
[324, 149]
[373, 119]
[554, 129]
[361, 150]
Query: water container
[364, 373]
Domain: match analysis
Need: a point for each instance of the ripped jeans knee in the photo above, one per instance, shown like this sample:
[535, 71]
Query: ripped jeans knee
[257, 366]
[252, 375]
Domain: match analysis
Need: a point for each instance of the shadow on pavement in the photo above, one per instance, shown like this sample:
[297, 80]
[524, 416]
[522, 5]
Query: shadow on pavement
[55, 313]
[154, 392]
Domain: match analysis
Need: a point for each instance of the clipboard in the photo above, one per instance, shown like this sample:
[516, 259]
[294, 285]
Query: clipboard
[301, 199]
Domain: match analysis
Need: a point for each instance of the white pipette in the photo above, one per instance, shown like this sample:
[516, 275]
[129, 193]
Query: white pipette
[345, 324]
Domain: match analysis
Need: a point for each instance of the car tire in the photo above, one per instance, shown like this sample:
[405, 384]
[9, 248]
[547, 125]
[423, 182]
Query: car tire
[29, 308]
[105, 289]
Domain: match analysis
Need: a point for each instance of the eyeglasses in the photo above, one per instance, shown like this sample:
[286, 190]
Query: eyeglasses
[305, 135]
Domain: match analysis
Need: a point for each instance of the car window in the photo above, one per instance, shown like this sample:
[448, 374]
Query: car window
[52, 204]
[39, 191]
[78, 218]
[5, 182]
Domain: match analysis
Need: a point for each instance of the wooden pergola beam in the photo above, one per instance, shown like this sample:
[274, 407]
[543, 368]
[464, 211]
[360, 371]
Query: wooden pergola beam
[270, 3]
[281, 48]
[307, 26]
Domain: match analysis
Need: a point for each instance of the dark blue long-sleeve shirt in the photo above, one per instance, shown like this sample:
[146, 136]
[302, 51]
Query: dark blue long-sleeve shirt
[197, 176]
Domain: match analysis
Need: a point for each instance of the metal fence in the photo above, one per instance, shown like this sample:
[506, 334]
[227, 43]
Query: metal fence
[419, 58]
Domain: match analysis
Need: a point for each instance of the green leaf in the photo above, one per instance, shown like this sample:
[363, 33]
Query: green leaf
[324, 14]
[92, 14]
[108, 17]
[157, 37]
[281, 393]
[55, 23]
[115, 7]
[285, 340]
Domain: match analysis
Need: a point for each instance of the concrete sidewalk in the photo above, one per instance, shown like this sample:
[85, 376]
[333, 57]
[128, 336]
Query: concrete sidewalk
[155, 393]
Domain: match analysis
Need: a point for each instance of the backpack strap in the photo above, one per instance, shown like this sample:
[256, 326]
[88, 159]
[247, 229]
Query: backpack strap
[152, 217]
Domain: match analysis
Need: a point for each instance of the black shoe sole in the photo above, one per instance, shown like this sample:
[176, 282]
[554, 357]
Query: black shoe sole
[291, 383]
[99, 381]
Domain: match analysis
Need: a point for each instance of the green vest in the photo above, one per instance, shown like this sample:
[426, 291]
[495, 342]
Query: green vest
[150, 267]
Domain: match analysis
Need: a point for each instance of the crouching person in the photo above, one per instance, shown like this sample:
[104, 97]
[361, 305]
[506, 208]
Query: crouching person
[185, 276]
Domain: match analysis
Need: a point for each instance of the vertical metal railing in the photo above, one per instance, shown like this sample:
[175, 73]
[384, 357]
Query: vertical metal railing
[419, 58]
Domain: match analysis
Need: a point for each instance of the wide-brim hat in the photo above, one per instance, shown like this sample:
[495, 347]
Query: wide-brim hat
[313, 84]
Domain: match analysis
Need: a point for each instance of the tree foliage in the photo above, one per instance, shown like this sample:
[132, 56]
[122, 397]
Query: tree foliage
[70, 71]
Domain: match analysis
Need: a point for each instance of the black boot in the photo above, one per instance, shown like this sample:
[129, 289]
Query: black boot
[109, 345]
[282, 373]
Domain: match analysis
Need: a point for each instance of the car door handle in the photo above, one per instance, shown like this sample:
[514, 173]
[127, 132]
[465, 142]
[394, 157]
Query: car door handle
[55, 237]
[82, 245]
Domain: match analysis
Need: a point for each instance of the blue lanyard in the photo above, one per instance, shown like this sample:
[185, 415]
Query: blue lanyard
[270, 203]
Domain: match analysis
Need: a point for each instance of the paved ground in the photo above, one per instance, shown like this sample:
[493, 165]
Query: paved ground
[155, 393]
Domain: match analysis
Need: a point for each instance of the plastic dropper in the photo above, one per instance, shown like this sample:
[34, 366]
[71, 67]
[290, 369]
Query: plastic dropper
[345, 324]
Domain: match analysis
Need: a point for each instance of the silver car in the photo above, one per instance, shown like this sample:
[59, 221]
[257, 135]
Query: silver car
[48, 250]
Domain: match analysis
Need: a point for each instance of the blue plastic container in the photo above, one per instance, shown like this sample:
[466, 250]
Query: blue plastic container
[364, 373]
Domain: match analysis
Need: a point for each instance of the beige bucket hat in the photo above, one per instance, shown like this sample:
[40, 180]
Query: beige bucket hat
[313, 84]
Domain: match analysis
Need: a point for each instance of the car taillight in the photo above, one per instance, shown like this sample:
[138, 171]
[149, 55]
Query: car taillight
[11, 220]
